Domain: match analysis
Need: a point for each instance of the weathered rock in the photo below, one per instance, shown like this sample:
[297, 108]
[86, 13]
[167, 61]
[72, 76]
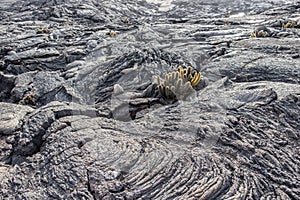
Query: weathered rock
[11, 117]
[81, 116]
[7, 84]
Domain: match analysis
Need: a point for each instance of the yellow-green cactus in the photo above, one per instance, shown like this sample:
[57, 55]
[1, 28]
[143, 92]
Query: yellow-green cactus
[112, 33]
[43, 31]
[260, 33]
[178, 85]
[289, 24]
[190, 74]
[126, 20]
[29, 100]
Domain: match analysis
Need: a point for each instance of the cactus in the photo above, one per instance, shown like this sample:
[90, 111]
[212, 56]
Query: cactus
[179, 85]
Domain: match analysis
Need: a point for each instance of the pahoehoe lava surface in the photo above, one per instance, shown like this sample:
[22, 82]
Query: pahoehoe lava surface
[81, 116]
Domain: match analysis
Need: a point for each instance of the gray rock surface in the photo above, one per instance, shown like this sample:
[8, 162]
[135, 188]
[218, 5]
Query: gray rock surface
[81, 116]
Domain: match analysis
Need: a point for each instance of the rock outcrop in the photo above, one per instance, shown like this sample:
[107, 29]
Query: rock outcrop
[82, 118]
